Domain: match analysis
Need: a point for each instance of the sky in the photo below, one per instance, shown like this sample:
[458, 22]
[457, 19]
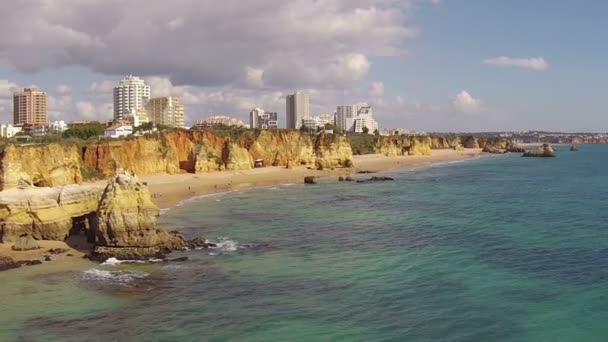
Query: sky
[430, 65]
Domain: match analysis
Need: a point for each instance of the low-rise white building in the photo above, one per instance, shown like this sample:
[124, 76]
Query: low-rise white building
[9, 131]
[57, 126]
[118, 131]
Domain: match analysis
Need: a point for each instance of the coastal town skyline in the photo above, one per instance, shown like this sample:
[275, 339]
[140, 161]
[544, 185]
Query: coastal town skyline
[413, 61]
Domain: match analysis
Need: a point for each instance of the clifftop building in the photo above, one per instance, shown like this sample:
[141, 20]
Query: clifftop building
[298, 108]
[29, 108]
[353, 118]
[167, 111]
[218, 120]
[130, 96]
[260, 119]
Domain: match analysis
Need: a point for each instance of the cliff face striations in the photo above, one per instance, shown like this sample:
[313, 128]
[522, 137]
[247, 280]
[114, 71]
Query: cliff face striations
[45, 213]
[40, 165]
[414, 146]
[168, 152]
[332, 151]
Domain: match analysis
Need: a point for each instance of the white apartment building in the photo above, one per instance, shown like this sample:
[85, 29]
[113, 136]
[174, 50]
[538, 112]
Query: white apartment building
[298, 108]
[57, 126]
[9, 131]
[345, 117]
[365, 118]
[258, 118]
[130, 96]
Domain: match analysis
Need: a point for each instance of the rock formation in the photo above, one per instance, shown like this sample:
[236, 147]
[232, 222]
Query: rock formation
[25, 243]
[171, 152]
[544, 151]
[40, 165]
[126, 222]
[332, 151]
[44, 213]
[469, 142]
[309, 180]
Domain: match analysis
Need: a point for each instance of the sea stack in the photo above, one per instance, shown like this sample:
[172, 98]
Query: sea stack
[126, 222]
[544, 151]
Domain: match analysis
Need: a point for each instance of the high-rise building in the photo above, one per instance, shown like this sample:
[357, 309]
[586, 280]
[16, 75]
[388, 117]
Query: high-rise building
[260, 119]
[167, 111]
[298, 108]
[345, 117]
[365, 119]
[130, 96]
[29, 108]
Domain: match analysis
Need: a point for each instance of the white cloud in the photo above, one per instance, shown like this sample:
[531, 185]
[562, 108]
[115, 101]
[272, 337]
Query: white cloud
[376, 89]
[63, 90]
[436, 2]
[321, 43]
[466, 103]
[7, 88]
[90, 111]
[535, 63]
[102, 88]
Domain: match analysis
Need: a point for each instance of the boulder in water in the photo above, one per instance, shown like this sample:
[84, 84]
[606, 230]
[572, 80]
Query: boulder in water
[7, 263]
[309, 180]
[544, 151]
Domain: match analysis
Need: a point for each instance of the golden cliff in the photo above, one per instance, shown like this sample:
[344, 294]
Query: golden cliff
[421, 146]
[40, 165]
[168, 152]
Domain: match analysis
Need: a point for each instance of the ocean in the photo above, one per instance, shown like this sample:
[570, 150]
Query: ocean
[499, 248]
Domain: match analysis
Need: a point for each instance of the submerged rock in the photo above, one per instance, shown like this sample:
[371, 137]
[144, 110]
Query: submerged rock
[376, 179]
[544, 151]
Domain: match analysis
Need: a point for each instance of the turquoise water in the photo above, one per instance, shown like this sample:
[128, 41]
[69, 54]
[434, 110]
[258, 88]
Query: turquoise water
[501, 248]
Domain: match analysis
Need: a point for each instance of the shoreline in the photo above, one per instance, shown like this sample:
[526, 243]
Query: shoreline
[168, 191]
[171, 191]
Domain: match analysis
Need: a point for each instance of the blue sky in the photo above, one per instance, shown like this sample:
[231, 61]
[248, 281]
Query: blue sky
[426, 59]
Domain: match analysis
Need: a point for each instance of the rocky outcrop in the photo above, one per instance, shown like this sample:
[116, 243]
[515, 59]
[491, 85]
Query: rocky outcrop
[332, 151]
[415, 146]
[7, 263]
[469, 142]
[279, 148]
[126, 222]
[40, 165]
[44, 213]
[25, 243]
[309, 180]
[544, 151]
[237, 158]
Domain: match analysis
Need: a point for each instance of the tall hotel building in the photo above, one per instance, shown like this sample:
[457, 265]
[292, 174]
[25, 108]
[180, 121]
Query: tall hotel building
[130, 97]
[167, 111]
[298, 108]
[29, 108]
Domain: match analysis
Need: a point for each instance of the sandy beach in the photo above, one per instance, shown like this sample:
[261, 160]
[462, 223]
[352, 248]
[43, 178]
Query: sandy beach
[168, 190]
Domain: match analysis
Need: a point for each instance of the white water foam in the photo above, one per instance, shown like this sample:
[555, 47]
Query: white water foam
[112, 277]
[114, 261]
